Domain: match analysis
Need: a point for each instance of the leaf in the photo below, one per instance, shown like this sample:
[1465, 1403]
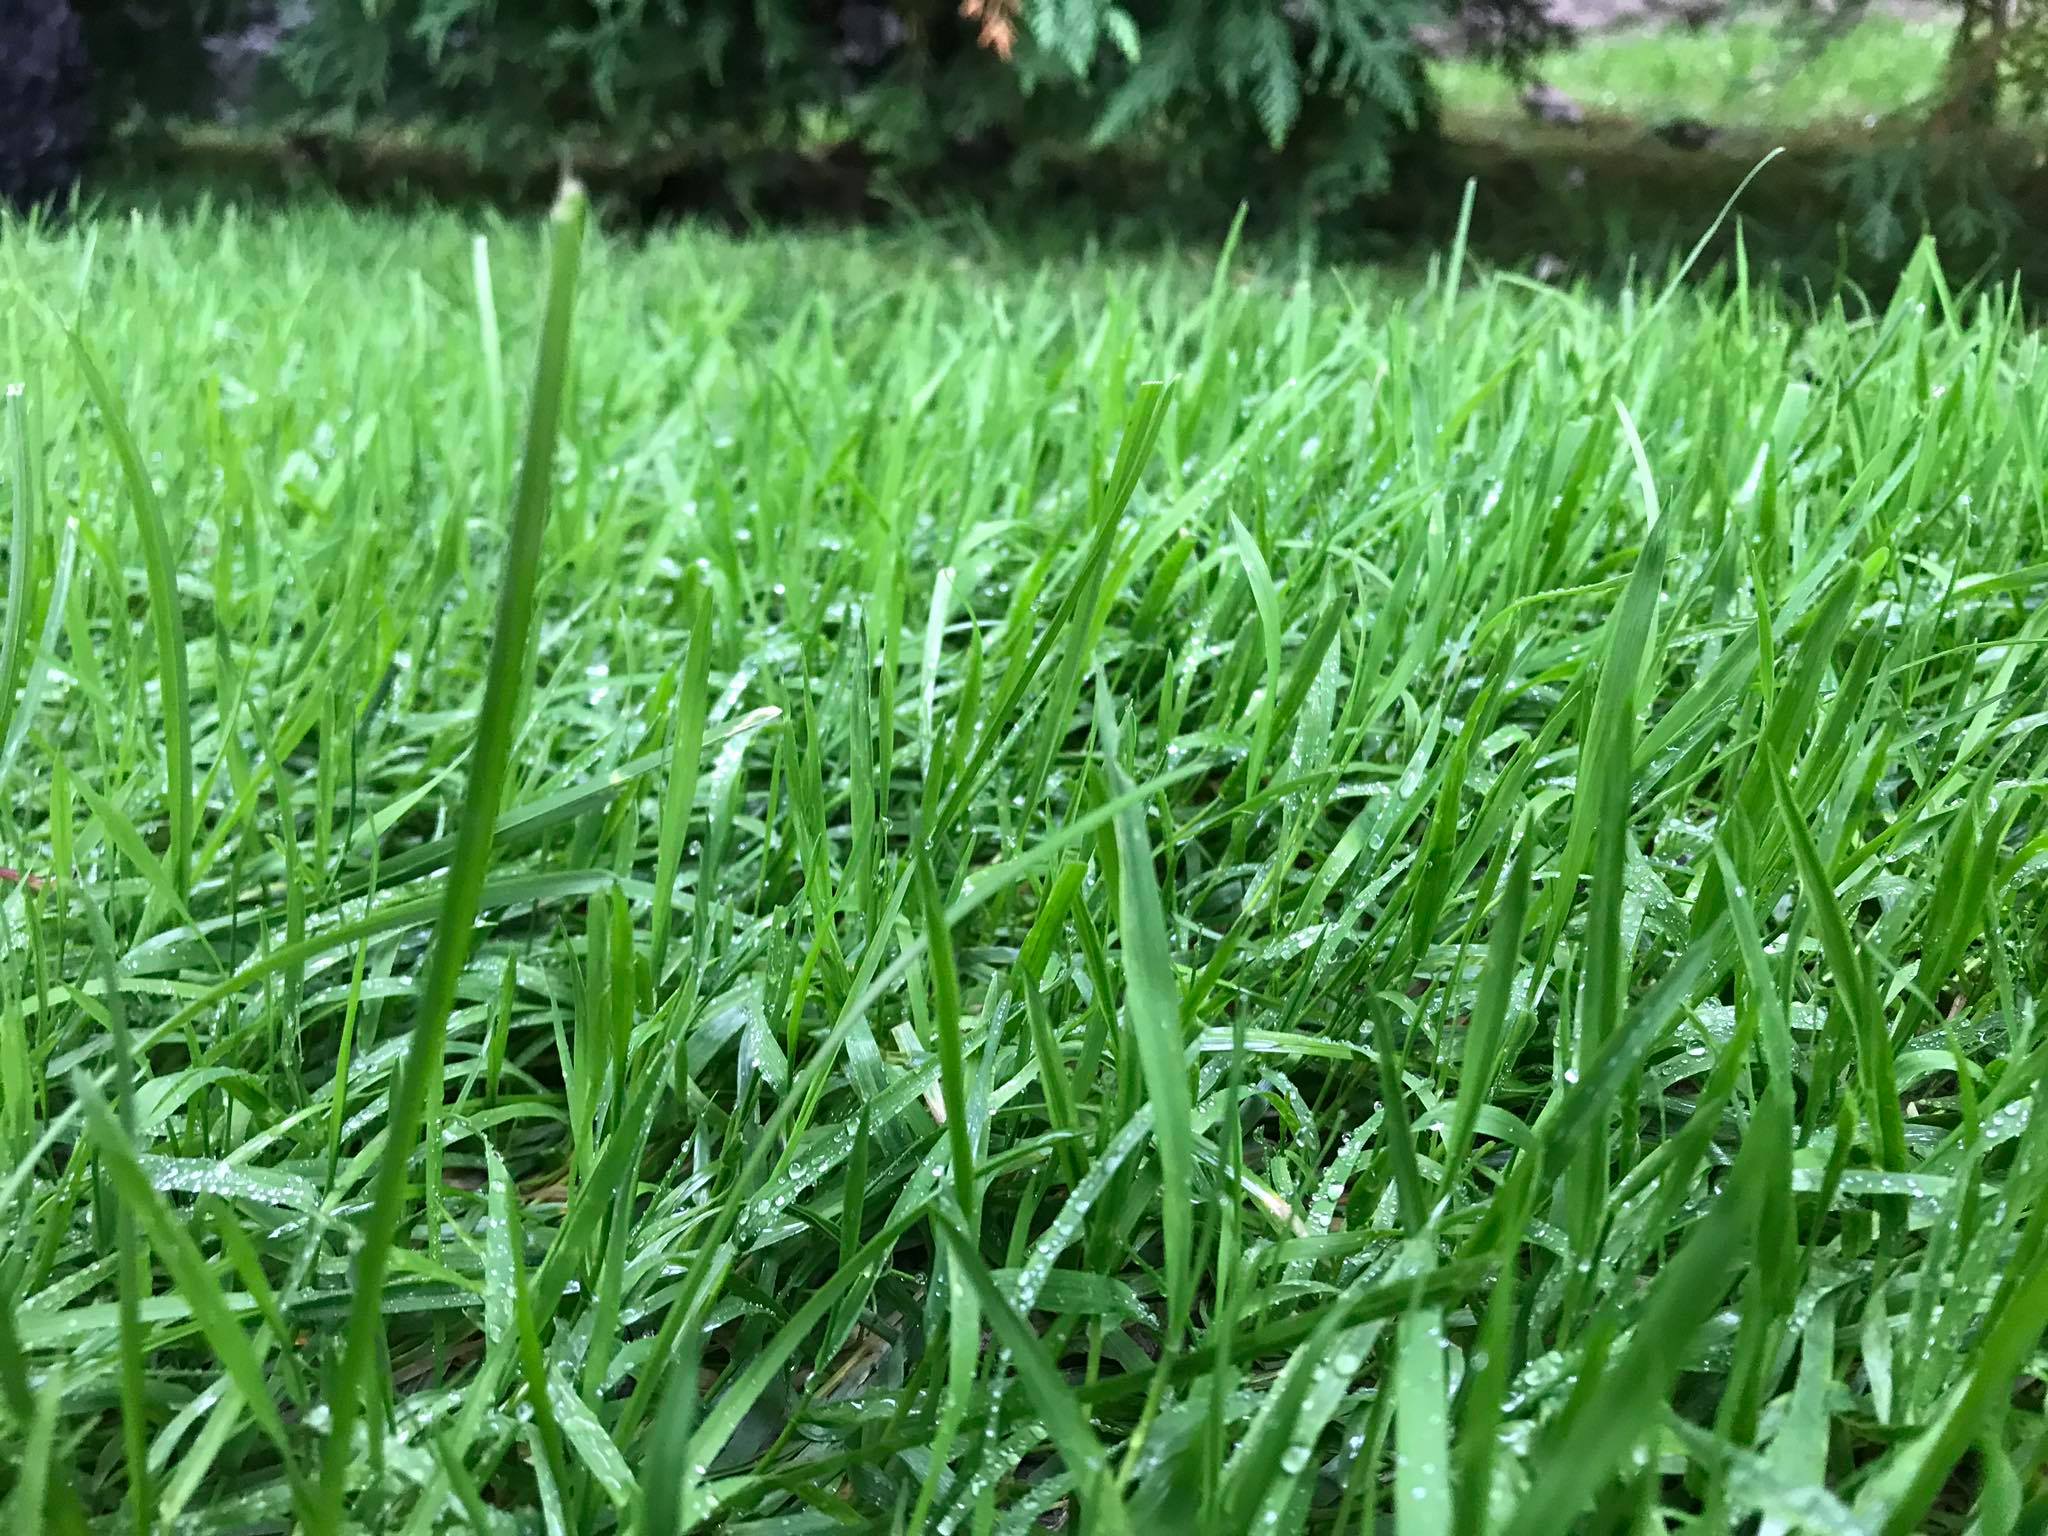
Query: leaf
[1422, 1427]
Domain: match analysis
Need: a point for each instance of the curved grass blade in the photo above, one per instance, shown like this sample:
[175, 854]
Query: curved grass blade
[1996, 1363]
[720, 1423]
[37, 676]
[946, 1021]
[1479, 1065]
[1875, 1067]
[1421, 1427]
[165, 616]
[20, 552]
[686, 751]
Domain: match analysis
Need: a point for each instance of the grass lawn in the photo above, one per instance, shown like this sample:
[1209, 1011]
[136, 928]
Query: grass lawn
[1436, 928]
[1747, 74]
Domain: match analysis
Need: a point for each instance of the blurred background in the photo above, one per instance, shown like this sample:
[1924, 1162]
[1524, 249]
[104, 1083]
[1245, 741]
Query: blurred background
[1600, 135]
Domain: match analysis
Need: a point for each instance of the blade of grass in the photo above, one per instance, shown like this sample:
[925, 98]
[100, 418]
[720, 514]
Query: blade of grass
[1421, 1427]
[1152, 1004]
[1479, 1066]
[1078, 1444]
[195, 1282]
[21, 553]
[166, 616]
[686, 750]
[1874, 1064]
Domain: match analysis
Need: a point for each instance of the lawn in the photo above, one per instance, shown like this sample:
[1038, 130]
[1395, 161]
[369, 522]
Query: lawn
[1173, 896]
[1749, 74]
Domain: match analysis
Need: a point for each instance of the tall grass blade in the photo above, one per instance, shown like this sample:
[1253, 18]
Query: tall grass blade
[1152, 1004]
[166, 617]
[489, 764]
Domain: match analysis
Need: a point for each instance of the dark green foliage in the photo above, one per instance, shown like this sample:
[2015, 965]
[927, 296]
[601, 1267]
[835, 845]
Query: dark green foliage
[1334, 83]
[151, 55]
[524, 77]
[1217, 93]
[72, 69]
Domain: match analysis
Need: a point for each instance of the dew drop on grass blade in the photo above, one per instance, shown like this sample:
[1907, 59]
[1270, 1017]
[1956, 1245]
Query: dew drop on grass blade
[1422, 1505]
[1622, 1406]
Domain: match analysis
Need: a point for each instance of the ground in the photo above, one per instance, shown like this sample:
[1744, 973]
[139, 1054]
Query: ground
[1201, 893]
[1751, 76]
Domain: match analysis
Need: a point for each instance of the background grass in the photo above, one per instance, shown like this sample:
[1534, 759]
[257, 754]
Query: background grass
[1435, 926]
[1753, 74]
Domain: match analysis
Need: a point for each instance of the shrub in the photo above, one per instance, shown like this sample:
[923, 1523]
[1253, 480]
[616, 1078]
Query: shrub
[523, 78]
[71, 69]
[1207, 89]
[1307, 98]
[1222, 87]
[150, 56]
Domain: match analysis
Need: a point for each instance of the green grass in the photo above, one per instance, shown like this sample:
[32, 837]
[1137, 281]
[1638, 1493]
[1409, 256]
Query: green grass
[1748, 74]
[1168, 897]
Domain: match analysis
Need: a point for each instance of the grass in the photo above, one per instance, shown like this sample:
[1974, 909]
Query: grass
[1749, 73]
[1432, 923]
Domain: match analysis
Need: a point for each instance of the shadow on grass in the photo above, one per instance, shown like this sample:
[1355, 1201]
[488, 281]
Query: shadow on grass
[1837, 213]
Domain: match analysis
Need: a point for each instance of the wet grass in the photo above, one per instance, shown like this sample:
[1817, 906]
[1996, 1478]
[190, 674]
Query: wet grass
[880, 889]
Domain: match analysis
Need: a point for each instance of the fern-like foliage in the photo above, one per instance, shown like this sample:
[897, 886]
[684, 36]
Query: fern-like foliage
[1230, 66]
[528, 76]
[1221, 93]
